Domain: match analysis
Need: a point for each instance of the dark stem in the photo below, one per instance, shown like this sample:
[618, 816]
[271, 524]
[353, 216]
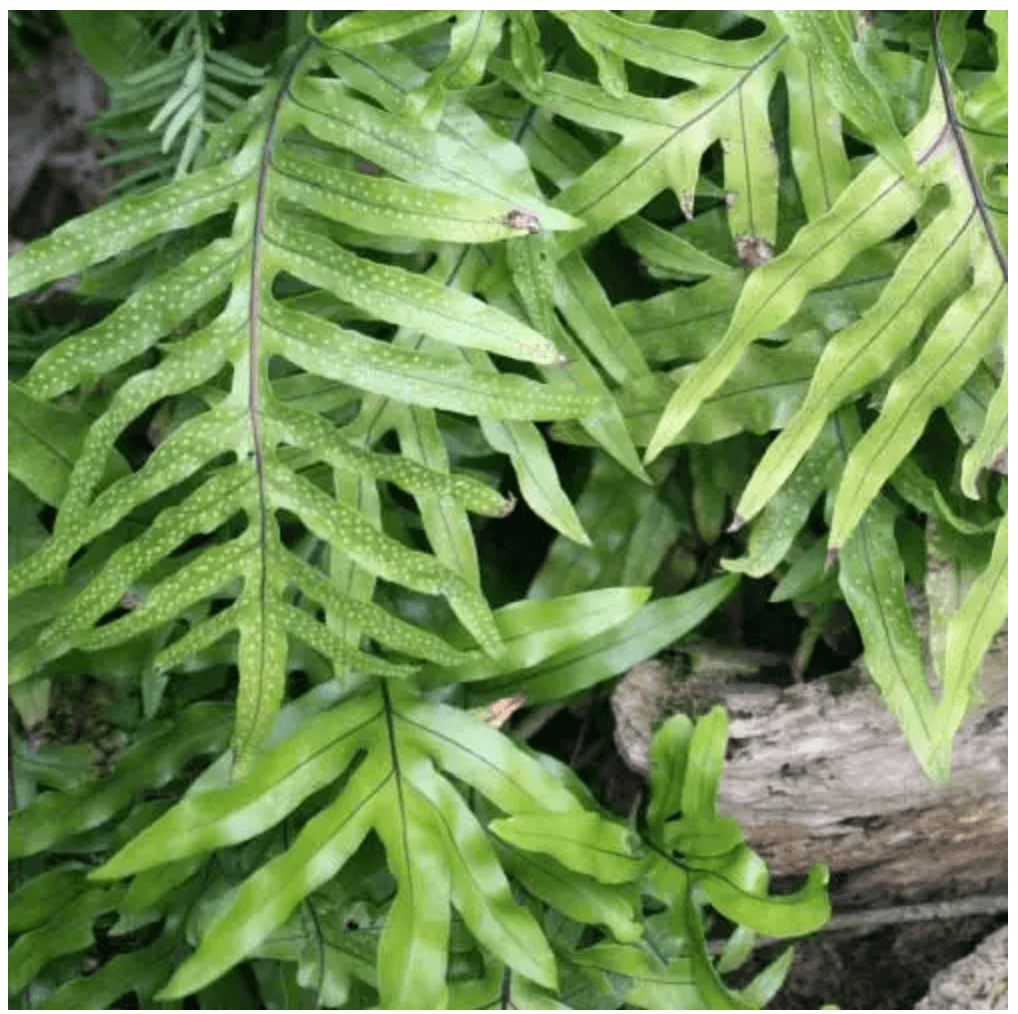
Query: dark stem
[954, 126]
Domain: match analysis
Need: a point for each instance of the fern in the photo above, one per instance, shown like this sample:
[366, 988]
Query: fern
[960, 241]
[264, 180]
[950, 282]
[376, 280]
[959, 257]
[168, 104]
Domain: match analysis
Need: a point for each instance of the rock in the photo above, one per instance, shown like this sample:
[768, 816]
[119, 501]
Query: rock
[978, 982]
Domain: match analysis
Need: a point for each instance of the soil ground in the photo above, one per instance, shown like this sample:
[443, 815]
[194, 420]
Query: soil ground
[890, 969]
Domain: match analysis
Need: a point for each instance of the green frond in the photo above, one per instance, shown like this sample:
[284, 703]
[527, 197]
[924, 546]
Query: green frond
[261, 183]
[173, 97]
[739, 261]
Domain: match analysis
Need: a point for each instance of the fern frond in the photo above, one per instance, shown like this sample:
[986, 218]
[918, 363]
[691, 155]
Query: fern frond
[662, 140]
[170, 105]
[273, 187]
[370, 269]
[961, 237]
[953, 275]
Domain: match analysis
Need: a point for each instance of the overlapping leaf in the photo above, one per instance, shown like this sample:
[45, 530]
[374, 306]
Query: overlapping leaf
[699, 856]
[938, 320]
[662, 140]
[431, 838]
[957, 257]
[324, 300]
[695, 855]
[871, 575]
[435, 848]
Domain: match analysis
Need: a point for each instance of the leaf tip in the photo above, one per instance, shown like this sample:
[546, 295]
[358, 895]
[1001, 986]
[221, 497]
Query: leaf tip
[651, 454]
[509, 505]
[832, 555]
[737, 522]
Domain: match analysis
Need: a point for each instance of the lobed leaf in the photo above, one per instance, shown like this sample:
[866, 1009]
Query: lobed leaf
[876, 203]
[583, 842]
[658, 624]
[969, 633]
[430, 838]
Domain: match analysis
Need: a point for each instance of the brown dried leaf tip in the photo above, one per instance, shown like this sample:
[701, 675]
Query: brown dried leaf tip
[500, 711]
[521, 218]
[753, 251]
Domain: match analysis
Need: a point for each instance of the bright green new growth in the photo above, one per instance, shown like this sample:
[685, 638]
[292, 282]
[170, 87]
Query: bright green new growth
[589, 858]
[386, 246]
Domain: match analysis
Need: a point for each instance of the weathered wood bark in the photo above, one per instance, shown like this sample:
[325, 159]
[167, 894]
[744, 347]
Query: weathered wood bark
[820, 772]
